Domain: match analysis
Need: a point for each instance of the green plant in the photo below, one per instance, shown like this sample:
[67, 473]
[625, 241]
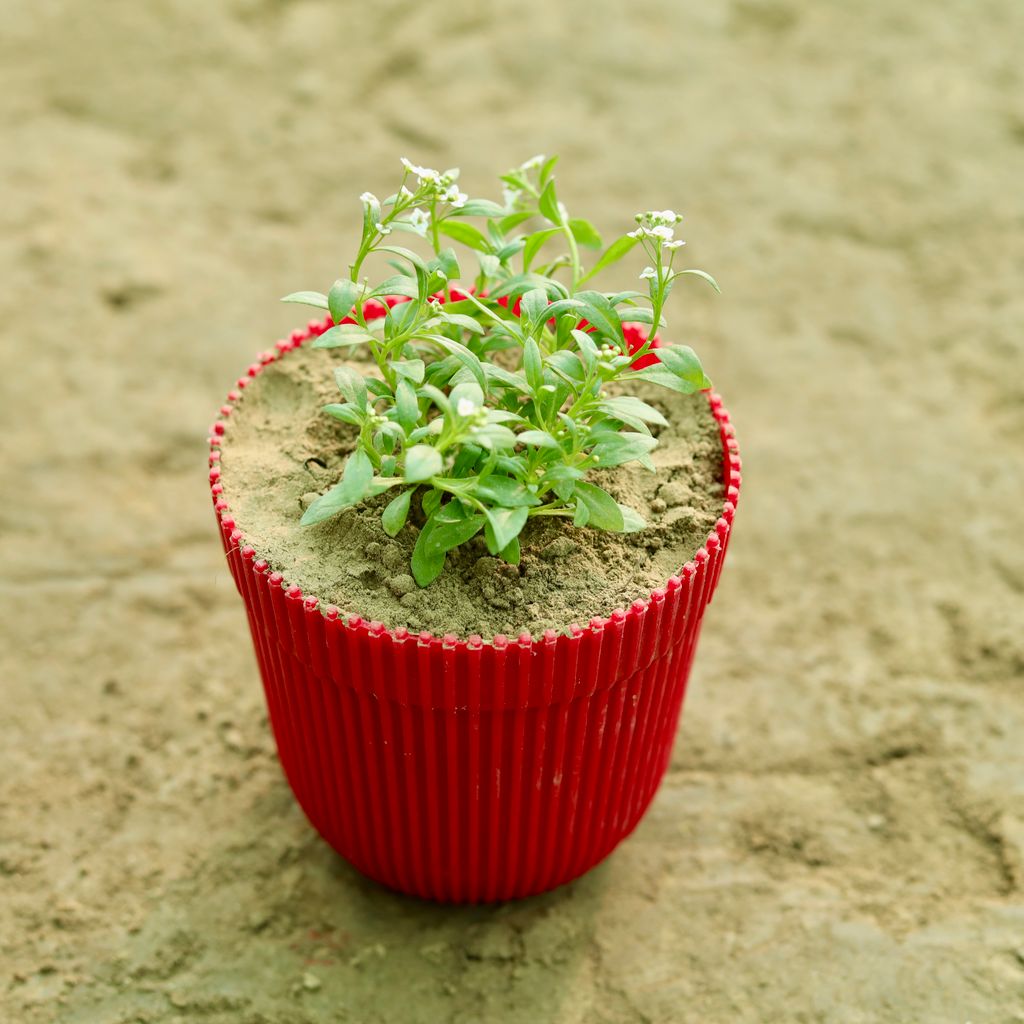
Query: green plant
[497, 400]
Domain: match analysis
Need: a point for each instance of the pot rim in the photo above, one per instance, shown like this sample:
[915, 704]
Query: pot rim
[235, 538]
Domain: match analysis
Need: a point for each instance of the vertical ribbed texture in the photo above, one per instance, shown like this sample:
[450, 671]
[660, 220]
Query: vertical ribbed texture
[464, 770]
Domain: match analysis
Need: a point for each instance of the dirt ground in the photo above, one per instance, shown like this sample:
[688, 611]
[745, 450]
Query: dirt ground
[841, 835]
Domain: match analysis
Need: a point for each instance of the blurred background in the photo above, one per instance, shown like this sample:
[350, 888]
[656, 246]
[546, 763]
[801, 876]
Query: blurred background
[841, 835]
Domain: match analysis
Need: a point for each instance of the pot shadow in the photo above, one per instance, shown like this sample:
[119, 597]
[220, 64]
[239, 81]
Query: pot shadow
[272, 924]
[522, 959]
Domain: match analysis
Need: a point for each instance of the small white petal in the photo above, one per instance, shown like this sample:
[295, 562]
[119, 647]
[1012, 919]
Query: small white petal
[465, 407]
[648, 273]
[420, 220]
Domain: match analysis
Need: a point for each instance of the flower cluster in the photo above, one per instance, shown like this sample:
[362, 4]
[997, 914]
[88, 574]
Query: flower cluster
[660, 225]
[470, 443]
[440, 186]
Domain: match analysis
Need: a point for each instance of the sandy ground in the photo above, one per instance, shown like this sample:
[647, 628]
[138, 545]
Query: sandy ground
[841, 835]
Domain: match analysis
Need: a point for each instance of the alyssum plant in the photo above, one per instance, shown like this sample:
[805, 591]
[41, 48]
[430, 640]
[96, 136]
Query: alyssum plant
[492, 403]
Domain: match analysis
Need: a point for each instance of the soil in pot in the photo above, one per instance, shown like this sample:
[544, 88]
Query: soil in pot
[281, 451]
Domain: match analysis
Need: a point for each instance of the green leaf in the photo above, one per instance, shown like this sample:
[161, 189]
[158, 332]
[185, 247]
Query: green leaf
[468, 390]
[400, 318]
[461, 320]
[427, 562]
[632, 521]
[509, 249]
[398, 285]
[448, 263]
[422, 461]
[342, 297]
[407, 408]
[504, 491]
[406, 254]
[631, 410]
[556, 309]
[568, 365]
[603, 511]
[490, 266]
[511, 553]
[447, 535]
[658, 374]
[394, 516]
[601, 313]
[493, 435]
[513, 220]
[479, 208]
[308, 299]
[346, 413]
[585, 233]
[534, 307]
[467, 234]
[410, 369]
[623, 447]
[684, 363]
[548, 203]
[588, 350]
[611, 255]
[342, 336]
[504, 525]
[546, 169]
[464, 356]
[538, 438]
[519, 284]
[533, 365]
[563, 479]
[354, 486]
[351, 385]
[499, 375]
[533, 244]
[431, 501]
[582, 515]
[700, 273]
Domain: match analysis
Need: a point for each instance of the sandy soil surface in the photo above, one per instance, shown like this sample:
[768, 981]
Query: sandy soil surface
[841, 835]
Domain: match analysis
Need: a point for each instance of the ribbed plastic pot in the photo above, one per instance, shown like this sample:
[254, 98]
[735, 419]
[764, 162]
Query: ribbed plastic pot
[471, 770]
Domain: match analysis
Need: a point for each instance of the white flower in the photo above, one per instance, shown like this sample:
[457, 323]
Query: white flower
[384, 229]
[534, 161]
[405, 193]
[674, 245]
[452, 195]
[465, 407]
[425, 174]
[639, 233]
[648, 273]
[369, 198]
[662, 232]
[420, 220]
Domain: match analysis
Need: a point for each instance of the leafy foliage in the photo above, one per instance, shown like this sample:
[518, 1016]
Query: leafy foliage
[491, 404]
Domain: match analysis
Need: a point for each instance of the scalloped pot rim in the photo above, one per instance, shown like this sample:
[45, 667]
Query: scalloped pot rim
[234, 537]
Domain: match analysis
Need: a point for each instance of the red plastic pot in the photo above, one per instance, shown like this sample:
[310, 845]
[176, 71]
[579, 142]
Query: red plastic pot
[471, 770]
